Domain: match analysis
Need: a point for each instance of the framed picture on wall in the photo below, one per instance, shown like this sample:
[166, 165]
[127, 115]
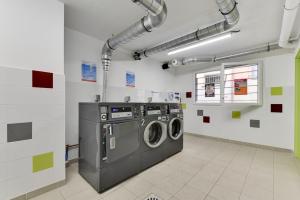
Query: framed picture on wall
[89, 72]
[130, 79]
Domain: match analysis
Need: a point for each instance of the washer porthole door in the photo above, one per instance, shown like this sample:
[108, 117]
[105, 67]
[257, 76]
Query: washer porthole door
[176, 128]
[155, 134]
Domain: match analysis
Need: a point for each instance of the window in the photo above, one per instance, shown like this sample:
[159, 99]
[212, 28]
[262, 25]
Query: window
[241, 84]
[208, 87]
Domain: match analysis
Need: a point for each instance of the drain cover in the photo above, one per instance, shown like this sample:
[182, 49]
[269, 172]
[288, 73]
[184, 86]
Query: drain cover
[153, 197]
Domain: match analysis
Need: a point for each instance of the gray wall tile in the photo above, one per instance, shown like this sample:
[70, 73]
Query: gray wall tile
[19, 131]
[200, 112]
[254, 123]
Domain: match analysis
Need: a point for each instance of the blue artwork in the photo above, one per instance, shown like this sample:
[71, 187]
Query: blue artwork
[89, 72]
[130, 79]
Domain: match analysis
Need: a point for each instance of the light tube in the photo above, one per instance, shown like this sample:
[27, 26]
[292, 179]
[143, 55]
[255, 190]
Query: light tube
[201, 43]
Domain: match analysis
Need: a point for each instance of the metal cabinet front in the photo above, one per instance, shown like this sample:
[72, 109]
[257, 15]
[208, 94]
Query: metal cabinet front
[122, 139]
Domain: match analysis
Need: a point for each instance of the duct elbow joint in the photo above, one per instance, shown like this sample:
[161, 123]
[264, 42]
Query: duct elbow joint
[156, 19]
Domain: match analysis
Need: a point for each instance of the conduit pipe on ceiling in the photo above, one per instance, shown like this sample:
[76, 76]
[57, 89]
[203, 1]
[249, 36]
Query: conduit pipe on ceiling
[195, 60]
[291, 8]
[228, 9]
[157, 14]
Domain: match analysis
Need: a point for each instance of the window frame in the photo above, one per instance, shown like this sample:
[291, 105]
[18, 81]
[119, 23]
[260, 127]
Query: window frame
[222, 68]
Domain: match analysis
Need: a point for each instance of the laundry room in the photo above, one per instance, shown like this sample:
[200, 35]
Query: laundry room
[150, 100]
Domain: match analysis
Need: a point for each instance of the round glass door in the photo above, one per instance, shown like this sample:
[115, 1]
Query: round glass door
[175, 128]
[155, 134]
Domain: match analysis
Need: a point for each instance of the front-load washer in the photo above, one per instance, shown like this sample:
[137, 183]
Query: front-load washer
[174, 141]
[153, 126]
[109, 142]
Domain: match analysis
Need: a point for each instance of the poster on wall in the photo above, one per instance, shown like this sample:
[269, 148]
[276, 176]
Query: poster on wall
[89, 72]
[240, 87]
[130, 79]
[209, 90]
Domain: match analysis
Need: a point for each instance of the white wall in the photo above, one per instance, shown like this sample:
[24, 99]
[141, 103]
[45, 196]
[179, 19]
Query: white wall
[31, 38]
[277, 129]
[80, 47]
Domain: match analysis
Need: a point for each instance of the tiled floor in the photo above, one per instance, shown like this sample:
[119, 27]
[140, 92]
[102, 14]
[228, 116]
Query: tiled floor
[205, 170]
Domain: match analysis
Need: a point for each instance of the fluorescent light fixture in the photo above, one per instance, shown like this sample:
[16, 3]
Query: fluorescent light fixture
[202, 43]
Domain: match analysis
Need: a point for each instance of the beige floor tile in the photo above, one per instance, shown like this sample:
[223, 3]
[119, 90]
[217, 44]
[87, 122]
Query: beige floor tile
[201, 184]
[157, 192]
[284, 189]
[220, 193]
[257, 192]
[138, 186]
[120, 194]
[89, 194]
[210, 198]
[55, 194]
[190, 193]
[231, 184]
[74, 186]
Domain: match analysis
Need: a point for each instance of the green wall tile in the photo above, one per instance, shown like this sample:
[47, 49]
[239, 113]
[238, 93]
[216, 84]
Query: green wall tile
[236, 115]
[276, 91]
[42, 162]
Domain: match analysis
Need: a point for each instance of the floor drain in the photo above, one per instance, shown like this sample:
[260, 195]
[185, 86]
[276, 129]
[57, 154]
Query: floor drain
[153, 197]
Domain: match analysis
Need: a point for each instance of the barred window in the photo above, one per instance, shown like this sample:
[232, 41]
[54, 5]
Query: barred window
[238, 83]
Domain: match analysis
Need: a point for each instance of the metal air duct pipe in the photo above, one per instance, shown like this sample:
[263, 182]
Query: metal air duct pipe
[193, 60]
[228, 9]
[157, 14]
[291, 8]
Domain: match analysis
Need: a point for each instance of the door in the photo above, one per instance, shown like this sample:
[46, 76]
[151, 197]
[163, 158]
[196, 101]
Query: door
[175, 128]
[122, 139]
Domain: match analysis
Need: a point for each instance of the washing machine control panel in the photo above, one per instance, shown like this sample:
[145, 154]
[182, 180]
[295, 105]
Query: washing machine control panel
[153, 110]
[118, 112]
[121, 112]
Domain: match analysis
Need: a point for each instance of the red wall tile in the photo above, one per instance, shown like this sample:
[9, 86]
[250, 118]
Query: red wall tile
[42, 79]
[206, 119]
[188, 94]
[277, 108]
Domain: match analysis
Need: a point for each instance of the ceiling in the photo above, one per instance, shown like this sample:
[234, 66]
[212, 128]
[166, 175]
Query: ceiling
[260, 22]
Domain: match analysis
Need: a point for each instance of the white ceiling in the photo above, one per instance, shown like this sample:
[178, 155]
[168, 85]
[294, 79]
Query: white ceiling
[260, 22]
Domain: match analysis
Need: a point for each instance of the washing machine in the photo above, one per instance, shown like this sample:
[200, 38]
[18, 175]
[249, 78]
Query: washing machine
[153, 126]
[109, 142]
[174, 141]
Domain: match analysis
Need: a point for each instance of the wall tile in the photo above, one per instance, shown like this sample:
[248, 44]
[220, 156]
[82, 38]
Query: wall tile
[200, 112]
[188, 95]
[254, 123]
[17, 95]
[276, 91]
[206, 119]
[13, 76]
[3, 133]
[183, 106]
[236, 115]
[276, 108]
[42, 79]
[42, 162]
[19, 131]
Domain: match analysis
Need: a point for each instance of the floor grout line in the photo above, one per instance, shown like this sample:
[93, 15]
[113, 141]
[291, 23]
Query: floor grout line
[236, 153]
[245, 181]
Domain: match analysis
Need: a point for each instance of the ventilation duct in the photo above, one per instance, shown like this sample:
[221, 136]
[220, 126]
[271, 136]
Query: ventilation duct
[228, 9]
[194, 60]
[157, 14]
[291, 8]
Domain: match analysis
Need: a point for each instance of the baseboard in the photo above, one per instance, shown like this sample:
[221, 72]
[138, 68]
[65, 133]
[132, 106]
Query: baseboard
[70, 162]
[40, 191]
[240, 142]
